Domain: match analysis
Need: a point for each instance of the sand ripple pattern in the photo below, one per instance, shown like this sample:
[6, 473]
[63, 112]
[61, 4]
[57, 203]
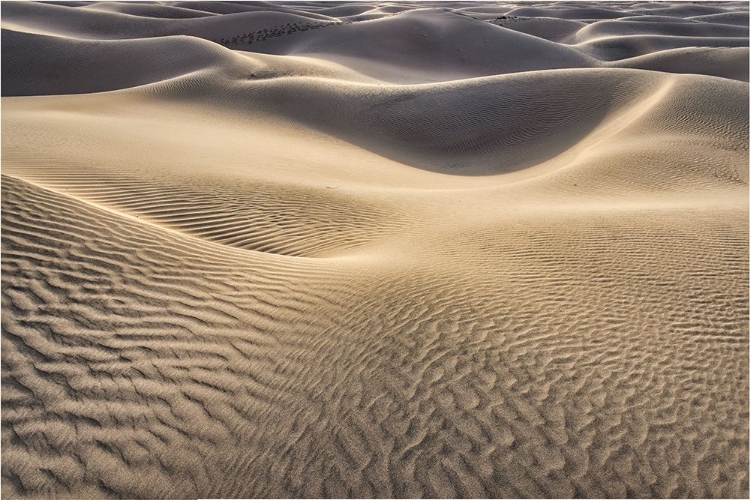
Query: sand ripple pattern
[125, 375]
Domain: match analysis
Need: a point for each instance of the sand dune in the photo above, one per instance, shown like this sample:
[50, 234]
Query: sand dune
[147, 10]
[314, 249]
[548, 28]
[41, 64]
[88, 23]
[567, 12]
[429, 44]
[724, 17]
[57, 65]
[687, 10]
[625, 47]
[723, 62]
[621, 27]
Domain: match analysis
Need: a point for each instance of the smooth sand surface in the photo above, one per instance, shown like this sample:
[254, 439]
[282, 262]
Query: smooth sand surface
[374, 249]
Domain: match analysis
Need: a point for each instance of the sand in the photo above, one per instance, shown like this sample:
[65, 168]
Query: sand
[374, 249]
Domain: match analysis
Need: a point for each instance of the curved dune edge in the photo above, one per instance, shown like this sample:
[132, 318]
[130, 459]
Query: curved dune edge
[303, 233]
[311, 250]
[525, 124]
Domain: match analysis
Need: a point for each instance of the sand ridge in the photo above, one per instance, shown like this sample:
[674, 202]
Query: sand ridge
[362, 249]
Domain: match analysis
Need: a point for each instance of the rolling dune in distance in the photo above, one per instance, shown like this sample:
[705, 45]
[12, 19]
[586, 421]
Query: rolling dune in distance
[374, 249]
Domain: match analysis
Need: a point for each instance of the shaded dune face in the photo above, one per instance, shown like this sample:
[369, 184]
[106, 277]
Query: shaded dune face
[468, 249]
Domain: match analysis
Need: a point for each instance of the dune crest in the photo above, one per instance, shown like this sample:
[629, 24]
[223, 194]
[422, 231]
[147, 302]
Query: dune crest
[364, 249]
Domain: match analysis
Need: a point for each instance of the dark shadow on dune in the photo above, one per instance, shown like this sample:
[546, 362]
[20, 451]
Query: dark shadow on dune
[484, 126]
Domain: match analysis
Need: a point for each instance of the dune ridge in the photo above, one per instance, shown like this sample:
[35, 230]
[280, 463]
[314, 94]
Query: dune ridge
[315, 249]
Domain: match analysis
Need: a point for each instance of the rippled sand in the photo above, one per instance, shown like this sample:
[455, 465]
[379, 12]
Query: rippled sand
[374, 249]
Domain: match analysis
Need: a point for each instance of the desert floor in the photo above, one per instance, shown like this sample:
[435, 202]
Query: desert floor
[374, 249]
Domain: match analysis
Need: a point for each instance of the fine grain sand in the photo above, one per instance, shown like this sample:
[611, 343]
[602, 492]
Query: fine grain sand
[374, 249]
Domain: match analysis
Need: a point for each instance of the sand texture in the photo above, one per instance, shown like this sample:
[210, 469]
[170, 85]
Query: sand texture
[374, 249]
